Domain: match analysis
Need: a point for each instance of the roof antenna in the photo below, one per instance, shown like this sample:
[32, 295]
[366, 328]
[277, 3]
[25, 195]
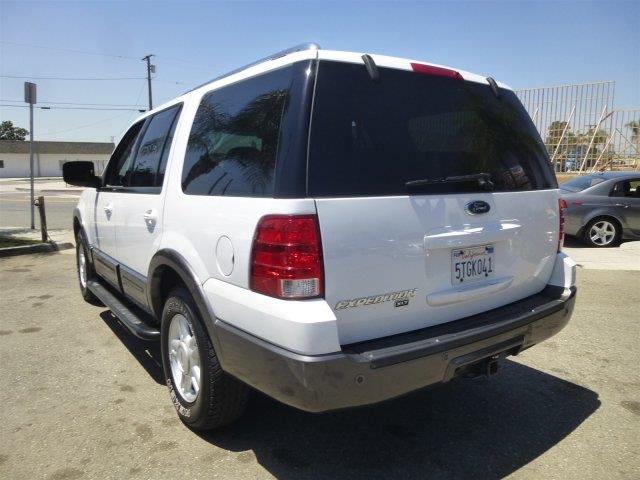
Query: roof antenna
[372, 68]
[494, 86]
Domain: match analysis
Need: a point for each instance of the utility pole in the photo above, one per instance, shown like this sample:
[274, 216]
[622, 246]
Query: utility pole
[150, 69]
[30, 98]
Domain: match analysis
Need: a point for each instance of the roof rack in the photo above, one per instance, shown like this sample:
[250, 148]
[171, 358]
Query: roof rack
[298, 48]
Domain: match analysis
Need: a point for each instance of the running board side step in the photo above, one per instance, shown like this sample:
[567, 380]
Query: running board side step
[129, 319]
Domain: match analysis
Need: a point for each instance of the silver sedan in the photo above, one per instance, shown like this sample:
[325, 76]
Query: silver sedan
[603, 208]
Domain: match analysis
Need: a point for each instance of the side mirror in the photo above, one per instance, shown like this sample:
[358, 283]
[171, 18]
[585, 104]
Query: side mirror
[80, 174]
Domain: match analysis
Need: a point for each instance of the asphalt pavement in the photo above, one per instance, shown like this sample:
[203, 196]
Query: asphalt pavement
[15, 209]
[83, 399]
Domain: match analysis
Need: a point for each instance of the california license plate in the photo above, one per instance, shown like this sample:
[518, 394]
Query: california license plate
[471, 264]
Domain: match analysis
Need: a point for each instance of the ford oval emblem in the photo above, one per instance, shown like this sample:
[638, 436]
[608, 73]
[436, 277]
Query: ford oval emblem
[477, 207]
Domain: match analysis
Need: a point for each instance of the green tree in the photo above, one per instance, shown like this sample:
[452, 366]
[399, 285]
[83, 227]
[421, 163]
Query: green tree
[9, 132]
[554, 133]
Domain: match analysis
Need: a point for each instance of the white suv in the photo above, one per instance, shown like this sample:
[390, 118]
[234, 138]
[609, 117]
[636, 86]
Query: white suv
[330, 228]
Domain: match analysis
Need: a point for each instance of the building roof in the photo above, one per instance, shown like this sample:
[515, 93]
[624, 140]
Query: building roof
[18, 146]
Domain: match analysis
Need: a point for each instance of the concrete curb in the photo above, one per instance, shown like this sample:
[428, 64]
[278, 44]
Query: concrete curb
[55, 190]
[35, 248]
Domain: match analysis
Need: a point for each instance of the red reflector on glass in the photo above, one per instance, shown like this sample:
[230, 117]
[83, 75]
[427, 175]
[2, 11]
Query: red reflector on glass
[438, 71]
[286, 258]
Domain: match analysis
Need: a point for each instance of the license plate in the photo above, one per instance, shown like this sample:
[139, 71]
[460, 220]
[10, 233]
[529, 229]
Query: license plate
[471, 264]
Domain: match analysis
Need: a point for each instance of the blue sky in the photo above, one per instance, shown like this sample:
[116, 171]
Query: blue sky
[525, 44]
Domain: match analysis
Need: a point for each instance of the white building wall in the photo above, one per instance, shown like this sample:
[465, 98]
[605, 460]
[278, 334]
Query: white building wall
[16, 165]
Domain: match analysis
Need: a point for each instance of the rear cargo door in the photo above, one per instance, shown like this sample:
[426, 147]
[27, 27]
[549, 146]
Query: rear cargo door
[434, 196]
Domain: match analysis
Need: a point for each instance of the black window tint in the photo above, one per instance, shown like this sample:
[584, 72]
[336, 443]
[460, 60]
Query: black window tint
[626, 188]
[166, 150]
[370, 138]
[152, 146]
[120, 162]
[234, 139]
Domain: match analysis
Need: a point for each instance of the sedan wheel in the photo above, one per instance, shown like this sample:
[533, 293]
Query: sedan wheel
[601, 233]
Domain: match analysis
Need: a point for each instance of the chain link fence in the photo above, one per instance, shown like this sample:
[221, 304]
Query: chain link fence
[582, 130]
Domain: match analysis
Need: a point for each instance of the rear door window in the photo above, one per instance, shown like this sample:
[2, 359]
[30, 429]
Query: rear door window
[234, 140]
[627, 188]
[371, 138]
[148, 169]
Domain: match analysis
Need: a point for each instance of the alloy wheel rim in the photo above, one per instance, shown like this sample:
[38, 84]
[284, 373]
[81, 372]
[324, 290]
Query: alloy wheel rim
[184, 358]
[602, 233]
[82, 268]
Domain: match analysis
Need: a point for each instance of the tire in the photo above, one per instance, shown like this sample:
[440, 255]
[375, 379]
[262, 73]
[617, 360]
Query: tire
[602, 232]
[85, 271]
[220, 399]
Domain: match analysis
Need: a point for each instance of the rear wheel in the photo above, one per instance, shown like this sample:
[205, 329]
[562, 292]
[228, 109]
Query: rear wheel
[85, 271]
[205, 397]
[602, 232]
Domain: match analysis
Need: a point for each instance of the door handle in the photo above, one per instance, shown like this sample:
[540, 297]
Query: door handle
[622, 205]
[108, 209]
[150, 217]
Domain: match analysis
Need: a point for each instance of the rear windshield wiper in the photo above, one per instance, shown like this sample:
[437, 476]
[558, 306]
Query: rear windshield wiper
[483, 180]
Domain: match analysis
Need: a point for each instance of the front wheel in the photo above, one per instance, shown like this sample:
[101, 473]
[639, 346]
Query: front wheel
[602, 232]
[85, 272]
[205, 397]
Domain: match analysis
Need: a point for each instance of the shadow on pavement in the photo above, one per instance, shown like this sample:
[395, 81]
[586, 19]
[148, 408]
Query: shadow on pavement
[146, 353]
[466, 429]
[475, 428]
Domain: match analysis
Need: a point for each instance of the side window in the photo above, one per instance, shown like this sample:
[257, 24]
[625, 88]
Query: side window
[156, 139]
[628, 188]
[116, 175]
[234, 138]
[166, 150]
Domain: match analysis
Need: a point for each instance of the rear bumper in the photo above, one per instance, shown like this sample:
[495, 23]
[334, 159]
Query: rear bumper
[377, 370]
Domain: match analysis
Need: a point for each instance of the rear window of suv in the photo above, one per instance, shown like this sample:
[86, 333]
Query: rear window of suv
[371, 138]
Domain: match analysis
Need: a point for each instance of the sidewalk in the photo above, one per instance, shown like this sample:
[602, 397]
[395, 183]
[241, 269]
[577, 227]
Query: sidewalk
[58, 236]
[41, 185]
[624, 257]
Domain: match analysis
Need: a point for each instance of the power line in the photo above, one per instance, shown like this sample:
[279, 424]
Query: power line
[78, 103]
[80, 127]
[172, 81]
[83, 52]
[176, 82]
[77, 108]
[70, 78]
[123, 57]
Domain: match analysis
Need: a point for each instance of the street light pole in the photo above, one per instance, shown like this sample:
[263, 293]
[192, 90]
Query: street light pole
[30, 98]
[150, 69]
[33, 217]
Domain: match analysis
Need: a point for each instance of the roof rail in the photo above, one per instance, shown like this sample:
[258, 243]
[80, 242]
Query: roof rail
[297, 48]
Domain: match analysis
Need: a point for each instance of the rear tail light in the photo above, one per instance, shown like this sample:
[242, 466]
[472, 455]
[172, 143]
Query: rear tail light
[286, 258]
[438, 71]
[562, 208]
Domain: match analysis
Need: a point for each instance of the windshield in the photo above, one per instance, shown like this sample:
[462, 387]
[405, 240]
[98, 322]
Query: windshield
[578, 184]
[371, 138]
